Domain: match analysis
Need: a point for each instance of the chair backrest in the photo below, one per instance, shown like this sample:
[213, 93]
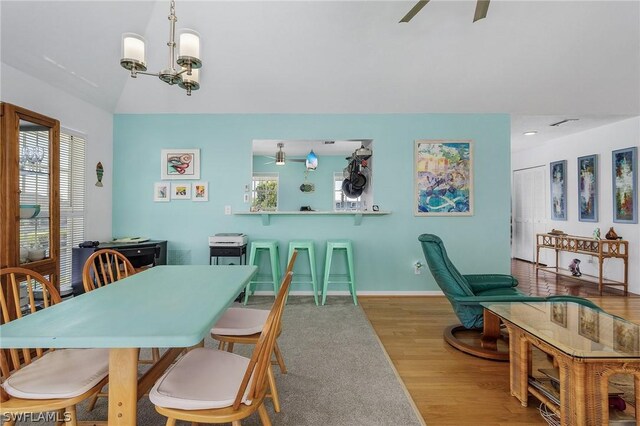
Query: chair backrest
[105, 267]
[446, 275]
[261, 358]
[11, 309]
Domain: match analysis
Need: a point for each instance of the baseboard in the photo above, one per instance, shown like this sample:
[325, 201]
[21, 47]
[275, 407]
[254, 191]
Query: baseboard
[360, 293]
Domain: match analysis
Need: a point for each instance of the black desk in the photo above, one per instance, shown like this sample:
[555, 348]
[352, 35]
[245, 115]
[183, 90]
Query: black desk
[228, 251]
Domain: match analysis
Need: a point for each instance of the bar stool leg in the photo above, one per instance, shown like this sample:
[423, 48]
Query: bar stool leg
[327, 271]
[252, 260]
[275, 269]
[352, 276]
[314, 277]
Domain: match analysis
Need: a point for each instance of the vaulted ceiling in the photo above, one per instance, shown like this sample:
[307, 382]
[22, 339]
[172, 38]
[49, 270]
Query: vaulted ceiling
[527, 58]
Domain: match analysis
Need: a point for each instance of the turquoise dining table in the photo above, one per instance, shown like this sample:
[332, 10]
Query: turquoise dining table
[163, 307]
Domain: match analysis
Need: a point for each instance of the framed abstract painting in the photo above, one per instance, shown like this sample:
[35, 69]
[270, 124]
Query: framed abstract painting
[180, 163]
[625, 185]
[443, 176]
[558, 180]
[588, 188]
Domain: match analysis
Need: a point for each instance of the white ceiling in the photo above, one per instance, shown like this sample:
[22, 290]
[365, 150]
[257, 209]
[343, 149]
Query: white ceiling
[300, 148]
[566, 59]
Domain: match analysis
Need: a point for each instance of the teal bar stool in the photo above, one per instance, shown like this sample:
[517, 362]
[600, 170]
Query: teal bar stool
[302, 245]
[350, 278]
[257, 247]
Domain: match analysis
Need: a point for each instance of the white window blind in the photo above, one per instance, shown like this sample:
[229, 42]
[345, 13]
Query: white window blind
[72, 200]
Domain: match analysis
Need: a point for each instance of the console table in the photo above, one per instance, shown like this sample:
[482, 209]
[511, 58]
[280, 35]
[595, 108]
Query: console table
[602, 249]
[588, 346]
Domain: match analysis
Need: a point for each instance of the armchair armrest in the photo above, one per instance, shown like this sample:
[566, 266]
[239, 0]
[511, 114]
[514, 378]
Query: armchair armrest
[481, 282]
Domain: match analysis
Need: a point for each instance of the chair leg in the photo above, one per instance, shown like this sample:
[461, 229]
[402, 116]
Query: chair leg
[275, 270]
[155, 354]
[229, 346]
[274, 391]
[11, 420]
[60, 416]
[171, 422]
[221, 346]
[264, 416]
[279, 358]
[72, 418]
[92, 401]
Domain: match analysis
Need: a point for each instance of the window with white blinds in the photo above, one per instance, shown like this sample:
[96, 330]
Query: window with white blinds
[72, 203]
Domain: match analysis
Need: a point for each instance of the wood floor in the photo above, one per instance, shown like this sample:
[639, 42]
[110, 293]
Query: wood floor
[452, 388]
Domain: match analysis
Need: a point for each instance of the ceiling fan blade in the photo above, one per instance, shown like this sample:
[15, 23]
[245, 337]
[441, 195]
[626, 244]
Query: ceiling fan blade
[414, 10]
[482, 6]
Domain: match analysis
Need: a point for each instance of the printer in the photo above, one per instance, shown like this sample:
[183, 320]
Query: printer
[228, 240]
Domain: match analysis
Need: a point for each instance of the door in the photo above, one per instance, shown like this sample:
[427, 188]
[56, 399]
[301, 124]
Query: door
[529, 211]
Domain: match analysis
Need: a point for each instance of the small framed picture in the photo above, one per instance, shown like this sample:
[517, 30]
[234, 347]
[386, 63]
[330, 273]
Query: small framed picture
[558, 179]
[625, 185]
[559, 313]
[161, 192]
[200, 191]
[625, 336]
[181, 191]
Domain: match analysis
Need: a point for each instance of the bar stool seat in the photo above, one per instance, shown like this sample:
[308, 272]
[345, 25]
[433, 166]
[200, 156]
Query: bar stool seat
[347, 247]
[257, 247]
[308, 246]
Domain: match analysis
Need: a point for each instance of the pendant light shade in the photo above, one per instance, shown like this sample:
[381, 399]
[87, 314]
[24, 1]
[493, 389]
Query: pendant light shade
[189, 49]
[133, 57]
[311, 161]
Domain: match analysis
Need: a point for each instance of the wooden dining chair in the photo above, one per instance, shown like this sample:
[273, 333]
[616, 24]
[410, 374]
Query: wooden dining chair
[41, 380]
[212, 386]
[243, 326]
[105, 267]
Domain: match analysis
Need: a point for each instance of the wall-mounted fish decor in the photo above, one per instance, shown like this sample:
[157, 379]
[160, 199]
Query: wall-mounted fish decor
[99, 174]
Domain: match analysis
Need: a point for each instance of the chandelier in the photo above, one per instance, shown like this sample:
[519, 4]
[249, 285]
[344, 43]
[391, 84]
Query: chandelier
[183, 71]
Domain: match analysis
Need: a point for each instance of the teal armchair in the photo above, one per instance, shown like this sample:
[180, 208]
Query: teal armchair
[467, 292]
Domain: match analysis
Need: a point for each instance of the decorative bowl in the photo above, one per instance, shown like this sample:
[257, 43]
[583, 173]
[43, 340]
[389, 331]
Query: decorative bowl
[29, 210]
[36, 254]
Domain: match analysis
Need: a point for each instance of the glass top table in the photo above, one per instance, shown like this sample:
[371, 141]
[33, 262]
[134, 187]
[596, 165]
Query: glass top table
[577, 330]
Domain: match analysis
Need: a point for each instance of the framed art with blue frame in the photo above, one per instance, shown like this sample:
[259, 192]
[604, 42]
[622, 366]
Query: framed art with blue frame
[588, 188]
[443, 176]
[558, 179]
[625, 185]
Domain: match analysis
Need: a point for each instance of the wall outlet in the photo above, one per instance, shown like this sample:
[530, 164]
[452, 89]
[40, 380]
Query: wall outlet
[590, 259]
[246, 188]
[246, 198]
[417, 268]
[227, 210]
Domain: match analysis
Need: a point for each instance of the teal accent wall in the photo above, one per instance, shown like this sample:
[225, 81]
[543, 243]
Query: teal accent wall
[386, 247]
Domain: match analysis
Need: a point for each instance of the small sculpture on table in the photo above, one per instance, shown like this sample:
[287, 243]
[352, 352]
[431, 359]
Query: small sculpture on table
[596, 234]
[574, 267]
[611, 235]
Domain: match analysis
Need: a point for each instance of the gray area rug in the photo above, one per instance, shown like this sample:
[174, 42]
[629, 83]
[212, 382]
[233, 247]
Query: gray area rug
[338, 373]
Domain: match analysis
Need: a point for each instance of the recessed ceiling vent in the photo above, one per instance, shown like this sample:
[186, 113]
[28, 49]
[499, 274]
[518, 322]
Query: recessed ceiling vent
[566, 120]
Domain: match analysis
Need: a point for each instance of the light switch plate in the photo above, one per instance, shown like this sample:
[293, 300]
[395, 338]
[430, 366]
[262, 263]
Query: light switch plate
[227, 210]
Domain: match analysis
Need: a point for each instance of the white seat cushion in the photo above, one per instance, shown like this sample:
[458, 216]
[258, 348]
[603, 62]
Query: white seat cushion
[64, 373]
[203, 378]
[240, 322]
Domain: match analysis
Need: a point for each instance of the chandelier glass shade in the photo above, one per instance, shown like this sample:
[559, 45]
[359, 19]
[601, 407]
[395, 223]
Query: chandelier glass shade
[182, 70]
[280, 155]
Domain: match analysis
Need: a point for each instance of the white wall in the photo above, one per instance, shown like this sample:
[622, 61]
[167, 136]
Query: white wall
[77, 115]
[600, 141]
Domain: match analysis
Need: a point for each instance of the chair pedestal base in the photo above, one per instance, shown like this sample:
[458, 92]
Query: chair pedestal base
[487, 349]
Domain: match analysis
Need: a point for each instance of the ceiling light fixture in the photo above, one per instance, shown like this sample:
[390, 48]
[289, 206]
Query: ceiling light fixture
[186, 75]
[280, 155]
[311, 161]
[530, 133]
